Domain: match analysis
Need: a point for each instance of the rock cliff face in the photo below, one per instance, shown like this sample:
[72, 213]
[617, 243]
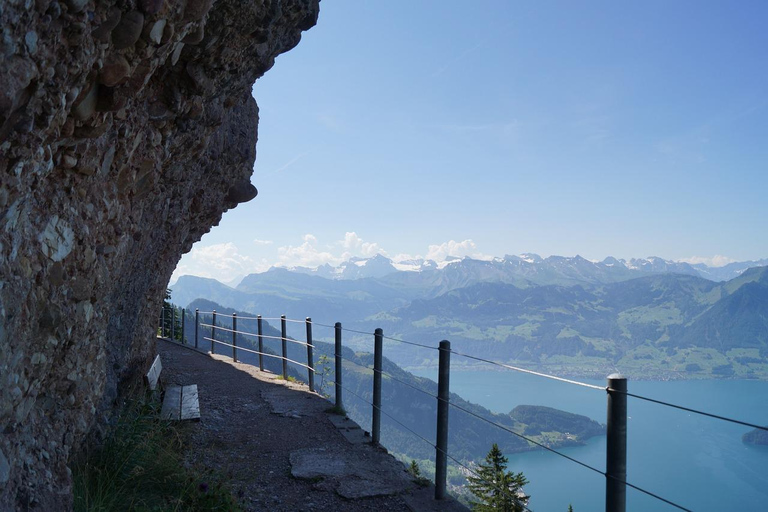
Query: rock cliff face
[127, 128]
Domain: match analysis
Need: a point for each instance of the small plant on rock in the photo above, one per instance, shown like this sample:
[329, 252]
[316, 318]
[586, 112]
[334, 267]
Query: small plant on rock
[415, 471]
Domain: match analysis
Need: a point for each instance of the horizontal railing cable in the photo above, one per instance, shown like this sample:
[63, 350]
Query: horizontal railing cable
[521, 436]
[333, 326]
[292, 320]
[430, 443]
[580, 463]
[406, 383]
[649, 493]
[257, 352]
[372, 369]
[322, 325]
[265, 336]
[410, 343]
[220, 314]
[357, 332]
[531, 372]
[695, 411]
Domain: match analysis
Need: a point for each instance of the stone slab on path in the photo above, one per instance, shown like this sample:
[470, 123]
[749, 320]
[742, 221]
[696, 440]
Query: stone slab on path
[349, 429]
[267, 437]
[356, 475]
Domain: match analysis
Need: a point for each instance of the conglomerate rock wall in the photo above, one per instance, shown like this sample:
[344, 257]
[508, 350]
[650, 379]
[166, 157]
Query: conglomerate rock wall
[127, 128]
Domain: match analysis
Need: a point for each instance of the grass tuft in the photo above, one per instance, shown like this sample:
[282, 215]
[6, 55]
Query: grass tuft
[140, 467]
[336, 410]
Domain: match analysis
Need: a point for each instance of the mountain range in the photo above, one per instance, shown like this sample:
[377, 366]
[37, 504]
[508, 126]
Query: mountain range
[648, 318]
[550, 270]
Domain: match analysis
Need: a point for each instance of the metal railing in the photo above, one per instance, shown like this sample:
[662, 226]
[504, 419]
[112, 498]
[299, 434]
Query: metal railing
[616, 391]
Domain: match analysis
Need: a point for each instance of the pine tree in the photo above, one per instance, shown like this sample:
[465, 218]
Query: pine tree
[570, 508]
[496, 488]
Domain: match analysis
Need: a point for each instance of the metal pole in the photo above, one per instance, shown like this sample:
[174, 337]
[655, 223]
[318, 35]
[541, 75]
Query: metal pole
[616, 444]
[261, 344]
[197, 323]
[162, 322]
[183, 323]
[213, 332]
[310, 357]
[339, 403]
[284, 336]
[173, 322]
[443, 395]
[377, 350]
[234, 337]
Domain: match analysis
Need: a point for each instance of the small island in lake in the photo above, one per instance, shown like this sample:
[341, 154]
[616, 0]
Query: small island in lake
[757, 436]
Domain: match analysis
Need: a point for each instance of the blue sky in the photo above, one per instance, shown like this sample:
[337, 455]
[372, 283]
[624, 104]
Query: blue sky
[437, 128]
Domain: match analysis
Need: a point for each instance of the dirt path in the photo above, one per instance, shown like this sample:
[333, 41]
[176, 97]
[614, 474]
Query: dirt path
[278, 447]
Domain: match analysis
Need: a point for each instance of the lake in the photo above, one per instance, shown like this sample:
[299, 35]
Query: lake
[696, 461]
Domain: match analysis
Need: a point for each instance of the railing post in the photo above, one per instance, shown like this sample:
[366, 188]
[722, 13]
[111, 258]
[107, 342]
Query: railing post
[337, 351]
[284, 336]
[310, 357]
[213, 332]
[197, 324]
[616, 445]
[443, 395]
[183, 323]
[162, 322]
[234, 337]
[261, 343]
[378, 339]
[173, 322]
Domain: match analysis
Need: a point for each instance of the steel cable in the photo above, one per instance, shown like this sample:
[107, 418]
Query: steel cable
[257, 352]
[695, 411]
[265, 336]
[531, 372]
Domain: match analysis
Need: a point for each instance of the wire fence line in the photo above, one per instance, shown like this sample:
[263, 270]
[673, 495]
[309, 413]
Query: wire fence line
[260, 353]
[530, 372]
[255, 335]
[382, 372]
[378, 335]
[649, 493]
[406, 384]
[695, 411]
